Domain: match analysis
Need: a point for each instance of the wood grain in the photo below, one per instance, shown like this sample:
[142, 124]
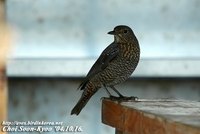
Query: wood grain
[152, 116]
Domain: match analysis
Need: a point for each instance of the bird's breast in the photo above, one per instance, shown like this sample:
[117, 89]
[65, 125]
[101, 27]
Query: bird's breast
[129, 51]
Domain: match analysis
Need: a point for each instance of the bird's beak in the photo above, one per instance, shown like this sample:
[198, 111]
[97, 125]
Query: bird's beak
[111, 32]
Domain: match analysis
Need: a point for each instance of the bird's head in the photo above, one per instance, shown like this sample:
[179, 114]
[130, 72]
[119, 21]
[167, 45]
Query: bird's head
[122, 33]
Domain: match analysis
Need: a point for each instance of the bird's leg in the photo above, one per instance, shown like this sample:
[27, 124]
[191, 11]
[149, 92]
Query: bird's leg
[110, 95]
[107, 91]
[122, 97]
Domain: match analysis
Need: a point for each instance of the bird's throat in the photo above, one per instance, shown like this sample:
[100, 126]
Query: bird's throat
[119, 39]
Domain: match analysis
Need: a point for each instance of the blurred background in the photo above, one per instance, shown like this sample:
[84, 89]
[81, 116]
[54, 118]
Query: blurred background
[56, 42]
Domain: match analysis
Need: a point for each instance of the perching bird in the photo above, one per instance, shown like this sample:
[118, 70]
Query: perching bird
[115, 64]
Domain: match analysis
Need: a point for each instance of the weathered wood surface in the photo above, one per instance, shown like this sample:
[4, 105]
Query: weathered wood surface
[152, 116]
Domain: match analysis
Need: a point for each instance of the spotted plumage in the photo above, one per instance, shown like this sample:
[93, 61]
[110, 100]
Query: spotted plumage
[115, 64]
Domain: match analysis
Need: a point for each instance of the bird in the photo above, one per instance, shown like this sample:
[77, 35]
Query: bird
[114, 66]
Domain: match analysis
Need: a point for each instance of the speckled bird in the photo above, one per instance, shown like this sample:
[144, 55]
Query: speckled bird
[115, 65]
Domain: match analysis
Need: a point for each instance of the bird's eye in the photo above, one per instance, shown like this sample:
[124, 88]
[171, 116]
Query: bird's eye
[125, 31]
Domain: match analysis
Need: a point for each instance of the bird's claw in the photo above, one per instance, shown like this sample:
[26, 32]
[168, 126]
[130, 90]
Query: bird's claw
[123, 98]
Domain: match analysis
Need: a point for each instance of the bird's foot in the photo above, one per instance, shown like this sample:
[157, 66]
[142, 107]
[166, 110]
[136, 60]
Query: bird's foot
[123, 98]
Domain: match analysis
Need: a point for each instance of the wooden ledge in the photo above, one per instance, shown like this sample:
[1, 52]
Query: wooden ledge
[152, 116]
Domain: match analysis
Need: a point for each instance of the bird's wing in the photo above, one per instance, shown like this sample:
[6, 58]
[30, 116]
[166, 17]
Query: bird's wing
[104, 59]
[102, 62]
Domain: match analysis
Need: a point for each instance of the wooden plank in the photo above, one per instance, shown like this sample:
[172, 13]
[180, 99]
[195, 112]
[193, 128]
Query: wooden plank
[153, 116]
[121, 132]
[4, 47]
[3, 96]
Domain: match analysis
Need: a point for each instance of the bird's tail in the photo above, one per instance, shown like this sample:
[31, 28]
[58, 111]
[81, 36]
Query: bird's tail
[87, 94]
[79, 106]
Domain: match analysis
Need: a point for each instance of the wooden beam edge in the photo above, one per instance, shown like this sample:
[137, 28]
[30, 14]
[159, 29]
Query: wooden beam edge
[131, 120]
